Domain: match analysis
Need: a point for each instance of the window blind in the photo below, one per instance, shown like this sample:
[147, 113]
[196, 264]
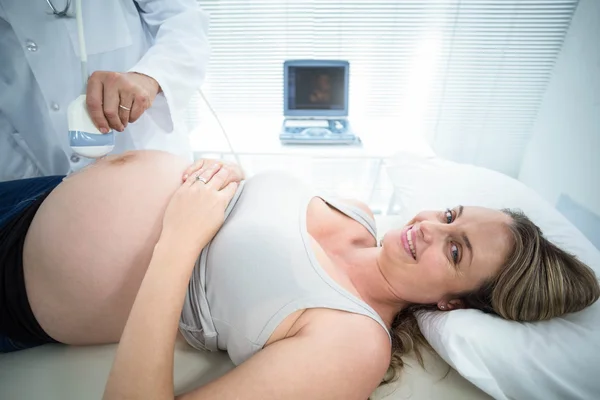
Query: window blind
[467, 74]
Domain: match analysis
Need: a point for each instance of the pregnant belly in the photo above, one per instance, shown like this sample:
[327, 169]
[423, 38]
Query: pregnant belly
[91, 241]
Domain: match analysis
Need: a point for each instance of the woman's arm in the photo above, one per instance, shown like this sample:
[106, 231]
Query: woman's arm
[342, 357]
[143, 367]
[144, 361]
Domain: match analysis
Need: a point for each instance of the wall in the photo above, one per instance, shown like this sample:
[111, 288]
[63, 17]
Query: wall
[563, 156]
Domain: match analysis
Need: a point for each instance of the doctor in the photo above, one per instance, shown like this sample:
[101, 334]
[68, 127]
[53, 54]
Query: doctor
[146, 58]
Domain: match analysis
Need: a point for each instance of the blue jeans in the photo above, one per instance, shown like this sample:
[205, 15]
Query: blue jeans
[15, 196]
[8, 345]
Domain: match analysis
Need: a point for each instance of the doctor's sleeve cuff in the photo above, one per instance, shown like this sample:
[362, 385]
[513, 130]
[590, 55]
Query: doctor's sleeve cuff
[177, 61]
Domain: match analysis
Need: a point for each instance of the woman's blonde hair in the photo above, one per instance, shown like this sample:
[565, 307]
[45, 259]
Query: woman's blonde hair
[539, 281]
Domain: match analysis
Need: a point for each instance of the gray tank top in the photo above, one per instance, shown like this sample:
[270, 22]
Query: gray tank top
[260, 268]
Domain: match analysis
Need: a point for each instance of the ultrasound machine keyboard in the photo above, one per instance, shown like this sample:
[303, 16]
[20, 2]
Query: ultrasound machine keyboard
[317, 132]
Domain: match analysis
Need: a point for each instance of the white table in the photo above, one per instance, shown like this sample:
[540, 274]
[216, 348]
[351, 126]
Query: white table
[353, 171]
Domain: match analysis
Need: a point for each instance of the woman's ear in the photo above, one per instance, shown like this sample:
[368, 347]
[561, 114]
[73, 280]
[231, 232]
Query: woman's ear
[454, 304]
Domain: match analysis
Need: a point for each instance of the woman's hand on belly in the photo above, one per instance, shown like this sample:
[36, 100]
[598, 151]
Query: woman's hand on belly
[197, 209]
[236, 174]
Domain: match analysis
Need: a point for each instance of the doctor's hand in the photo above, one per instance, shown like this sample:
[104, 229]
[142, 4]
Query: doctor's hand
[236, 174]
[114, 99]
[197, 210]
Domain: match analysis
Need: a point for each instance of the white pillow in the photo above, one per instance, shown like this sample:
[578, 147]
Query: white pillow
[556, 359]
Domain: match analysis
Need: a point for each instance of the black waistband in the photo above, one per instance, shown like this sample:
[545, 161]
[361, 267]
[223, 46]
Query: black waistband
[16, 317]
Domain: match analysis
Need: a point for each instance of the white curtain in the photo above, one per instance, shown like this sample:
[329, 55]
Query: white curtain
[468, 75]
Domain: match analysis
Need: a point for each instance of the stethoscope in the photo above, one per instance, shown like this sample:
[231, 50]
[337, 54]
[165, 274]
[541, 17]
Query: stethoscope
[61, 14]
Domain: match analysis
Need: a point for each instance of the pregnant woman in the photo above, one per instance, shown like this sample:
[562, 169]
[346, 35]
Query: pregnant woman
[293, 286]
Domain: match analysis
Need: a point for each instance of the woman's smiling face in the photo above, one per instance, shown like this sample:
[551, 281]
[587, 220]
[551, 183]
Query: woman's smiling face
[440, 255]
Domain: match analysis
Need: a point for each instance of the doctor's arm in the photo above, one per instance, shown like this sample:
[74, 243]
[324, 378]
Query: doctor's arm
[175, 65]
[178, 60]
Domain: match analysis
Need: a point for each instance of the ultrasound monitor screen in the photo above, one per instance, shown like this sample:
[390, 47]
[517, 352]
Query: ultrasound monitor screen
[316, 88]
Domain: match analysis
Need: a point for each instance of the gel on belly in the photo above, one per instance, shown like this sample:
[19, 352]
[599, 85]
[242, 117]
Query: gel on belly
[84, 138]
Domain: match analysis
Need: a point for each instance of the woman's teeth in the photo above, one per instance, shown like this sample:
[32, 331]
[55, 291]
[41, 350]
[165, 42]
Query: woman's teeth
[410, 243]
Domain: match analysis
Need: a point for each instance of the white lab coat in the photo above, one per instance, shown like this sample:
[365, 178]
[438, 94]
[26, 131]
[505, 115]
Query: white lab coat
[40, 75]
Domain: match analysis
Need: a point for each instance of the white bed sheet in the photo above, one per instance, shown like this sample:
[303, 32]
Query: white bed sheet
[56, 372]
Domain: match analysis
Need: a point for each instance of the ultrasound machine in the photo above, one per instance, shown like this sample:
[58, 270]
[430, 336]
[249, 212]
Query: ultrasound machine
[316, 103]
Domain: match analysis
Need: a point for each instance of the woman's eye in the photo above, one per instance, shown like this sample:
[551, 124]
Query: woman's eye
[448, 216]
[454, 251]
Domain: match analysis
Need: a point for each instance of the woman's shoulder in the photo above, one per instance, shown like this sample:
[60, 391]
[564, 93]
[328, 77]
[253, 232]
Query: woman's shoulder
[360, 205]
[350, 342]
[358, 329]
[334, 355]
